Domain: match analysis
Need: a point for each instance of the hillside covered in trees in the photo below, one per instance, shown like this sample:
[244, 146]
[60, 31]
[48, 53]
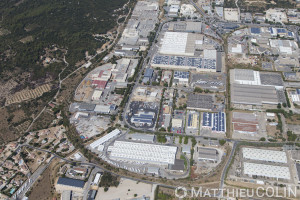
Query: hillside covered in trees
[27, 27]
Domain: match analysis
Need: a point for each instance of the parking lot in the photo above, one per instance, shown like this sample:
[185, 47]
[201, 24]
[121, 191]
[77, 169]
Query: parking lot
[210, 81]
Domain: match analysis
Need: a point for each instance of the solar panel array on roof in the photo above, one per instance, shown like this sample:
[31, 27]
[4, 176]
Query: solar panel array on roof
[291, 34]
[179, 74]
[190, 119]
[219, 122]
[216, 121]
[146, 116]
[298, 91]
[71, 182]
[281, 30]
[271, 30]
[138, 119]
[143, 118]
[255, 30]
[207, 119]
[185, 61]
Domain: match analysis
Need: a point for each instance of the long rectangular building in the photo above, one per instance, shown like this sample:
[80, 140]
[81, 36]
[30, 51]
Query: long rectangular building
[143, 153]
[265, 155]
[185, 63]
[253, 94]
[269, 171]
[105, 138]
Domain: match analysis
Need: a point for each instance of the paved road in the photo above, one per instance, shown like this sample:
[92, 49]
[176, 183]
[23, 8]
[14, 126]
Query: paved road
[20, 193]
[89, 182]
[226, 166]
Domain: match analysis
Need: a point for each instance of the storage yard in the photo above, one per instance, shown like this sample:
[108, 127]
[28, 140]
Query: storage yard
[248, 126]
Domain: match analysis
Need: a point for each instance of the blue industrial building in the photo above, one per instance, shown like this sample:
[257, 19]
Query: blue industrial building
[255, 30]
[71, 182]
[143, 118]
[148, 75]
[215, 121]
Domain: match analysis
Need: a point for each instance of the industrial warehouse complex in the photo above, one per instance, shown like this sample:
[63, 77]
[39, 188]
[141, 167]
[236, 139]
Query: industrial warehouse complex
[181, 103]
[182, 94]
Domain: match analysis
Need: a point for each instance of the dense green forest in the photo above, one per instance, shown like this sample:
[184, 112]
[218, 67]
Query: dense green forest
[69, 24]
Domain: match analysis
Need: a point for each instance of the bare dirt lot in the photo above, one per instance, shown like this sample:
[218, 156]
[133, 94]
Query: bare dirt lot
[43, 189]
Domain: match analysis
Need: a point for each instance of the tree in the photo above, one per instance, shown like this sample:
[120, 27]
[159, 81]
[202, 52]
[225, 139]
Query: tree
[198, 90]
[180, 139]
[222, 142]
[284, 105]
[291, 136]
[279, 106]
[162, 129]
[262, 139]
[161, 139]
[186, 139]
[194, 142]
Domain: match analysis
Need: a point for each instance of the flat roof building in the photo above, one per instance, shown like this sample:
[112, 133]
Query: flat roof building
[142, 137]
[142, 118]
[96, 95]
[207, 154]
[181, 77]
[63, 184]
[180, 43]
[253, 94]
[266, 171]
[298, 172]
[214, 121]
[186, 149]
[143, 153]
[191, 27]
[264, 155]
[185, 63]
[153, 170]
[246, 123]
[177, 166]
[192, 121]
[177, 123]
[200, 102]
[105, 138]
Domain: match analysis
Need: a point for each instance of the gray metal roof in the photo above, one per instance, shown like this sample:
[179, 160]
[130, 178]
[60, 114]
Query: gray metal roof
[142, 137]
[253, 94]
[298, 170]
[71, 182]
[178, 165]
[148, 72]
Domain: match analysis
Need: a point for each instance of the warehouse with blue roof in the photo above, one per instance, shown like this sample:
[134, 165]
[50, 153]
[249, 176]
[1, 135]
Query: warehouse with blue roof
[214, 121]
[74, 185]
[148, 75]
[143, 118]
[255, 30]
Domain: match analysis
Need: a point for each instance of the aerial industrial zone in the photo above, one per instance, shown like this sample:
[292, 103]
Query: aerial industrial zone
[191, 95]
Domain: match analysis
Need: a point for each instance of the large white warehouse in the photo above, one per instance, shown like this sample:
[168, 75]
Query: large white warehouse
[104, 139]
[180, 43]
[264, 155]
[143, 153]
[270, 171]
